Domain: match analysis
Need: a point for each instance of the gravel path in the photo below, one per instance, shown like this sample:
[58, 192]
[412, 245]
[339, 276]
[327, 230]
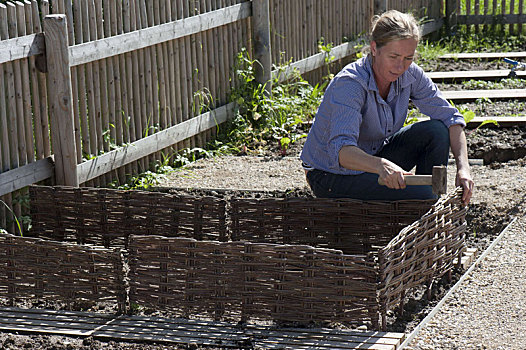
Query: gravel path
[488, 311]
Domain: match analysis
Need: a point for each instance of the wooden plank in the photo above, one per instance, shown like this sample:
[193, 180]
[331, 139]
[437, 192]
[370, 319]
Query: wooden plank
[491, 19]
[491, 94]
[26, 175]
[21, 47]
[139, 39]
[185, 331]
[432, 26]
[316, 61]
[467, 259]
[502, 121]
[473, 74]
[483, 55]
[153, 143]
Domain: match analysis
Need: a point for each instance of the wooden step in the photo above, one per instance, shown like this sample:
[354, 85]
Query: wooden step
[483, 55]
[502, 121]
[473, 74]
[491, 94]
[184, 331]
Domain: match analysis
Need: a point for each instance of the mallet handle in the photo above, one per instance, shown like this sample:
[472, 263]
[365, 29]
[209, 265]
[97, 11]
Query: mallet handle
[414, 180]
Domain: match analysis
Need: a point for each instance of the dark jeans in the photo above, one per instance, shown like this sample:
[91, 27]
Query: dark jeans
[423, 145]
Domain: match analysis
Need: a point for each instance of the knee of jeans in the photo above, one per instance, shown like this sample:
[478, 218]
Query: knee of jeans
[439, 132]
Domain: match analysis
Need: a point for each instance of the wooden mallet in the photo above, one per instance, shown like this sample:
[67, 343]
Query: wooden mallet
[438, 180]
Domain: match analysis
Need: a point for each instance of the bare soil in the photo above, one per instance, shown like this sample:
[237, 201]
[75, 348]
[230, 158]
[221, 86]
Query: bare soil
[500, 195]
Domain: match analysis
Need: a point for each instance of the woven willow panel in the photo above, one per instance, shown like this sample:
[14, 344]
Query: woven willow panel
[423, 250]
[242, 280]
[355, 227]
[107, 217]
[60, 272]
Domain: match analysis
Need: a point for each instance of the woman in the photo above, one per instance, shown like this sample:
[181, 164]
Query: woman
[358, 134]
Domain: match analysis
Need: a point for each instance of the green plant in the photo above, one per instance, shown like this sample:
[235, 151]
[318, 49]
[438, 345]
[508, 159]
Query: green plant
[19, 226]
[260, 119]
[147, 179]
[329, 57]
[494, 85]
[203, 101]
[469, 115]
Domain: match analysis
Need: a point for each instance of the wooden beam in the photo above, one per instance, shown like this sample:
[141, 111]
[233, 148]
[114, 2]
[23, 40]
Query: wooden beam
[502, 121]
[186, 331]
[139, 39]
[316, 61]
[491, 94]
[60, 100]
[491, 19]
[151, 144]
[26, 175]
[431, 26]
[261, 37]
[473, 74]
[22, 47]
[483, 55]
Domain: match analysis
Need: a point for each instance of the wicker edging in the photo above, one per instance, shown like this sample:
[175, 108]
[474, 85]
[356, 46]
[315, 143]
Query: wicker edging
[274, 260]
[60, 273]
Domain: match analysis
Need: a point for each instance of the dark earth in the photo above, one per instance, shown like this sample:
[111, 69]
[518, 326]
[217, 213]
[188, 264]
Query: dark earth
[498, 147]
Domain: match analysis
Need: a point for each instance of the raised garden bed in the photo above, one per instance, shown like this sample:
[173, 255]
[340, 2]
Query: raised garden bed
[294, 259]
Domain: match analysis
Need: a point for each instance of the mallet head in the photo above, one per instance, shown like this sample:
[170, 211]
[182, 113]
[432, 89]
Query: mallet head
[439, 180]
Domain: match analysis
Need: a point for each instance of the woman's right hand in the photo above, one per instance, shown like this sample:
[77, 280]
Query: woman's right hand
[391, 174]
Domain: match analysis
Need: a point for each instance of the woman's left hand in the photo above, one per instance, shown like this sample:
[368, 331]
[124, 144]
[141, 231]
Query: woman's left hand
[464, 179]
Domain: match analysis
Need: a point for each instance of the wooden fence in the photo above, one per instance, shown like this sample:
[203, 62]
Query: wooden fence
[144, 78]
[489, 14]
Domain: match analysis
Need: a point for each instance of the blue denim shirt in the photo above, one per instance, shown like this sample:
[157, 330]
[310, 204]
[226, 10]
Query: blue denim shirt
[352, 113]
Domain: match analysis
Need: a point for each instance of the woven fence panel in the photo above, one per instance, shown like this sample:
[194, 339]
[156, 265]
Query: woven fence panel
[423, 250]
[107, 216]
[60, 273]
[355, 227]
[242, 280]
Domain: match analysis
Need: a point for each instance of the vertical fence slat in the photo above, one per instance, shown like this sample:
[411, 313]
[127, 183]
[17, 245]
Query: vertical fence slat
[96, 112]
[14, 133]
[187, 67]
[163, 69]
[33, 118]
[6, 217]
[16, 98]
[521, 12]
[124, 10]
[133, 73]
[512, 12]
[144, 71]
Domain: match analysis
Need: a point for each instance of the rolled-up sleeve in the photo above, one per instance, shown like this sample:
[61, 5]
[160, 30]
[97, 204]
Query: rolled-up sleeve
[344, 108]
[430, 101]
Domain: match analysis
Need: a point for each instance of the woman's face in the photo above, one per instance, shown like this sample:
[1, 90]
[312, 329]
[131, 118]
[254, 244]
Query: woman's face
[392, 60]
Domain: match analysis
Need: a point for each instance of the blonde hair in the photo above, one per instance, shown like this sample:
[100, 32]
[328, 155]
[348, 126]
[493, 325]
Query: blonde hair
[391, 26]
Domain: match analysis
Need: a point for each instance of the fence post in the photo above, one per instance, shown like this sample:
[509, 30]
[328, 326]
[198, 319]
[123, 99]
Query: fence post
[261, 37]
[60, 100]
[380, 6]
[451, 15]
